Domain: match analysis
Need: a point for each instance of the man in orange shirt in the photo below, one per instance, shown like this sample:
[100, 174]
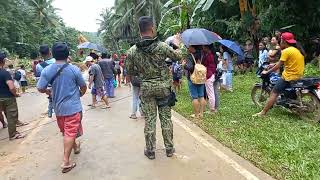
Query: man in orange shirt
[293, 60]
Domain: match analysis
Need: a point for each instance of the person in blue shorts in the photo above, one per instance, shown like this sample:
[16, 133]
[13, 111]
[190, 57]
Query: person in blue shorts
[196, 90]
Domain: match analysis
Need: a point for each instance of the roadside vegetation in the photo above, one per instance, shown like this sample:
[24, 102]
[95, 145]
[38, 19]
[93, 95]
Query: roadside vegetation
[281, 144]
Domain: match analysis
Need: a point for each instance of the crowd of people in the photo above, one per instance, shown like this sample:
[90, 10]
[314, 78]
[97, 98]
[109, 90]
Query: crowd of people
[105, 74]
[208, 69]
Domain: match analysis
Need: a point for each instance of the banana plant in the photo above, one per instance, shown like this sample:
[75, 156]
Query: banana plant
[202, 6]
[187, 10]
[183, 8]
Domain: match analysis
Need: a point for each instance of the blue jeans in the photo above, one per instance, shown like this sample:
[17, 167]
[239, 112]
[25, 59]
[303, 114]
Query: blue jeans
[109, 87]
[135, 99]
[229, 79]
[216, 86]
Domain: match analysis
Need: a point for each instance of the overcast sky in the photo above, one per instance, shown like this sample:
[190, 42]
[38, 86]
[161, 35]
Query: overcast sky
[82, 14]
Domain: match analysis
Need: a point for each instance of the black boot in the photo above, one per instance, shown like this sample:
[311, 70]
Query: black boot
[170, 152]
[150, 154]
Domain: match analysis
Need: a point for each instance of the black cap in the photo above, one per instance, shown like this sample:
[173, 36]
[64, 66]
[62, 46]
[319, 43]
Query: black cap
[2, 56]
[44, 49]
[60, 51]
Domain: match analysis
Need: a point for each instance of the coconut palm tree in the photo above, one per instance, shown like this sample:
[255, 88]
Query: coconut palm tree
[44, 12]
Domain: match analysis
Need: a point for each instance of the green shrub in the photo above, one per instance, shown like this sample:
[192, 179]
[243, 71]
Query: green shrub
[311, 71]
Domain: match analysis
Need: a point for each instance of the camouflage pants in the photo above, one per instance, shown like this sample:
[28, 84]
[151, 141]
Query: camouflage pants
[10, 108]
[150, 108]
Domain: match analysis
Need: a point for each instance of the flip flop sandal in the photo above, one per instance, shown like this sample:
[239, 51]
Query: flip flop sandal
[17, 136]
[22, 124]
[66, 169]
[194, 116]
[78, 149]
[133, 117]
[107, 107]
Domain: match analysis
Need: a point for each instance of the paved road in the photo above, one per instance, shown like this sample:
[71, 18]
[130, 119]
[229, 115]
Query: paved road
[112, 148]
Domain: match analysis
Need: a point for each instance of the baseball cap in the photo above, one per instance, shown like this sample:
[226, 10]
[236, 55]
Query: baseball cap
[88, 59]
[44, 49]
[288, 37]
[60, 51]
[3, 56]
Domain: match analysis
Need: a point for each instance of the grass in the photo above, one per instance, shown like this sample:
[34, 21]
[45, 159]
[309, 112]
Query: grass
[281, 144]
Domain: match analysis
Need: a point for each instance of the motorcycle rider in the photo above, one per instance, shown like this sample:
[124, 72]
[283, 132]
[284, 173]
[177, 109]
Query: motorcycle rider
[292, 57]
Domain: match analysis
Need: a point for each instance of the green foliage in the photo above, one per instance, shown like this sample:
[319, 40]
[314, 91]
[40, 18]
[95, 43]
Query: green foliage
[26, 63]
[311, 71]
[30, 23]
[92, 37]
[120, 22]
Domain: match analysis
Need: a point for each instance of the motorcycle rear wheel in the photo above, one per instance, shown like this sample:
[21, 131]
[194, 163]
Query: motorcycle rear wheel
[311, 108]
[259, 96]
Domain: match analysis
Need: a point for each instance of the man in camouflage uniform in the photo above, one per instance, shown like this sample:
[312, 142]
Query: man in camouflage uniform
[146, 60]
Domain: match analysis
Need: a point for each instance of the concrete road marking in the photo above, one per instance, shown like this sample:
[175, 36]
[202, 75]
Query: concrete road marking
[245, 173]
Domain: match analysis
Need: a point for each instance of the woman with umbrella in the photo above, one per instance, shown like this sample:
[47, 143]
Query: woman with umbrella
[194, 39]
[227, 48]
[196, 90]
[211, 65]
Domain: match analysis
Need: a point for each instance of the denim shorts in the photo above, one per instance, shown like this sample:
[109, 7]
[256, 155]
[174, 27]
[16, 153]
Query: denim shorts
[281, 86]
[196, 90]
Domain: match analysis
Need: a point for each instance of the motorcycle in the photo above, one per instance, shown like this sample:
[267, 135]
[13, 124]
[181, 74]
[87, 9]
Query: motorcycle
[302, 98]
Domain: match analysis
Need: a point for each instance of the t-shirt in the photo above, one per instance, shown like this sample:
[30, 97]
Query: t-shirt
[227, 57]
[107, 68]
[263, 57]
[4, 88]
[98, 78]
[293, 64]
[23, 75]
[117, 64]
[39, 68]
[65, 88]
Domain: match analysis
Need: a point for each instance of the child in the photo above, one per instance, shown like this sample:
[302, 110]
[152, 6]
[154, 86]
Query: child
[227, 60]
[223, 67]
[23, 80]
[263, 54]
[176, 75]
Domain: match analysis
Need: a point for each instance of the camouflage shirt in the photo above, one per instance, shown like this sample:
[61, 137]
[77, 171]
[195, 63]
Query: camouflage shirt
[146, 60]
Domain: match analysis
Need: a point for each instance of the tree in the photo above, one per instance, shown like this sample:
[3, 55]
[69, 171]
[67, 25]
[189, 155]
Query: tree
[30, 23]
[119, 24]
[44, 12]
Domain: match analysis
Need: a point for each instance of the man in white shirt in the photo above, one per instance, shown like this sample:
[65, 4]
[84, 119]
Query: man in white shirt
[23, 80]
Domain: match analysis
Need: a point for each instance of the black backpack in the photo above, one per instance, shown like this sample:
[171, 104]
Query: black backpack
[219, 71]
[218, 74]
[43, 65]
[17, 76]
